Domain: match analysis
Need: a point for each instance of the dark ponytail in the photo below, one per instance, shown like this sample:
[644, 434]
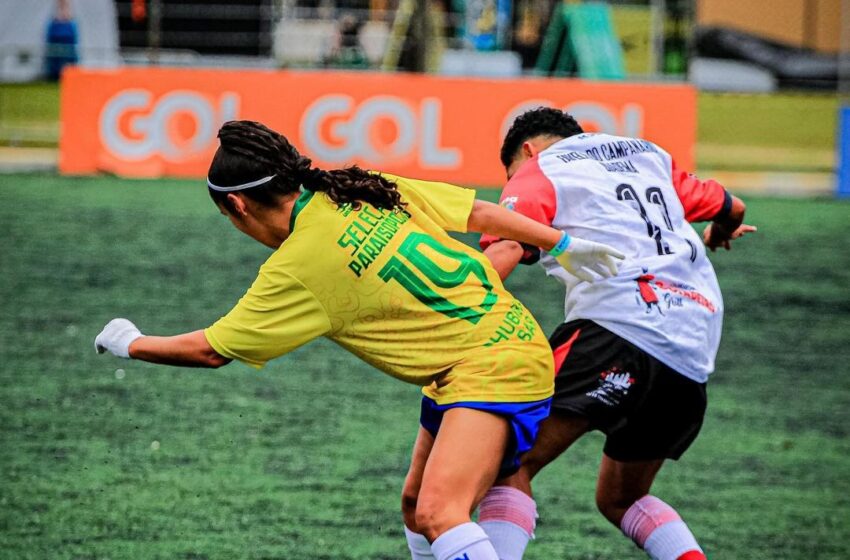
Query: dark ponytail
[250, 151]
[352, 185]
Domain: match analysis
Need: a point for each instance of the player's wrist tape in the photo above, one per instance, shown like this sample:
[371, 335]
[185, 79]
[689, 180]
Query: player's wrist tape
[725, 209]
[561, 245]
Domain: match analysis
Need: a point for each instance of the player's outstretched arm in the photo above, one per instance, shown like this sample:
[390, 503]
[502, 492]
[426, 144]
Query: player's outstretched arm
[504, 255]
[122, 338]
[580, 257]
[722, 231]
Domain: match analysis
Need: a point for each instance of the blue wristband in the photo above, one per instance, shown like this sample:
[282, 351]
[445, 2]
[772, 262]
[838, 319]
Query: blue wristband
[562, 245]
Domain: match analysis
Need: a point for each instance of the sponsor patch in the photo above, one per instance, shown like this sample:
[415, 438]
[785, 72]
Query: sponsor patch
[614, 385]
[510, 202]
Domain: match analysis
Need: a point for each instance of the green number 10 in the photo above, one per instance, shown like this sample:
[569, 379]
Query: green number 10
[397, 270]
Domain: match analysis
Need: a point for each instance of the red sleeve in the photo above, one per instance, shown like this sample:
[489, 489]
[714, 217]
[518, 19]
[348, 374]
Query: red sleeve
[532, 194]
[702, 200]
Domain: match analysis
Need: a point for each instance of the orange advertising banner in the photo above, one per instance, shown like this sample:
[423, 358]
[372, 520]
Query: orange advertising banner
[155, 122]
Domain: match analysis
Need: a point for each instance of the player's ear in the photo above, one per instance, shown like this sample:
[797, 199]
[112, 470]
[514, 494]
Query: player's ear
[529, 150]
[237, 203]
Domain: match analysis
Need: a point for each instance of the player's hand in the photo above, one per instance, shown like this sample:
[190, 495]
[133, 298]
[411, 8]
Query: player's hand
[584, 258]
[715, 236]
[116, 337]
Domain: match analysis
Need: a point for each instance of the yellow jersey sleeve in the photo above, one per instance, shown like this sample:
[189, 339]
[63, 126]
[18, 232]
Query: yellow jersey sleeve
[277, 315]
[448, 205]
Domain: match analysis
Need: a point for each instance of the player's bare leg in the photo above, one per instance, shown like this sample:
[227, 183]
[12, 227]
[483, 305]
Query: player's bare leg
[622, 496]
[557, 433]
[621, 484]
[462, 465]
[410, 492]
[420, 548]
[508, 512]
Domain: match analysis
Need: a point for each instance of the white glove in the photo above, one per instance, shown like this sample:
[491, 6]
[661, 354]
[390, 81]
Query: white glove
[116, 337]
[582, 258]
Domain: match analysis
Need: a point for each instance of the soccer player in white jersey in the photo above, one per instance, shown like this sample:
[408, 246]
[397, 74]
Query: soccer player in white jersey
[635, 351]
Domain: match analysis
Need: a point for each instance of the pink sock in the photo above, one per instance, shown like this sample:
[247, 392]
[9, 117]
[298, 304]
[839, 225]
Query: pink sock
[656, 527]
[503, 503]
[508, 516]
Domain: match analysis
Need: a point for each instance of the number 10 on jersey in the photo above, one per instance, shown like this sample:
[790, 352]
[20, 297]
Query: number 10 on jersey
[411, 277]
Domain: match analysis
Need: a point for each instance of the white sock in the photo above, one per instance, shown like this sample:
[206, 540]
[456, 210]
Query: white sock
[464, 542]
[508, 539]
[420, 548]
[670, 541]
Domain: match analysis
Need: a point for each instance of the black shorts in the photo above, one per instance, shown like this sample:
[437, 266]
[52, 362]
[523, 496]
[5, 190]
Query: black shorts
[647, 410]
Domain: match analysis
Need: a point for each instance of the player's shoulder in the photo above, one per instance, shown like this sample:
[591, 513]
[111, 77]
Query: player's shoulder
[410, 184]
[407, 187]
[313, 216]
[397, 179]
[530, 176]
[609, 141]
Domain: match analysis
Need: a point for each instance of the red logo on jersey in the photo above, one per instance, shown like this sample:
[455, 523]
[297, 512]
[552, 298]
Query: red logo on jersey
[646, 288]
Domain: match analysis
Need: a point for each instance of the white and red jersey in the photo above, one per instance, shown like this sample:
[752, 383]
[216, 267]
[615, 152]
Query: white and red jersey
[628, 193]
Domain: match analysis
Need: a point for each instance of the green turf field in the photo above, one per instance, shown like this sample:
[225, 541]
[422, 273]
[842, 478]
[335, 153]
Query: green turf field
[105, 458]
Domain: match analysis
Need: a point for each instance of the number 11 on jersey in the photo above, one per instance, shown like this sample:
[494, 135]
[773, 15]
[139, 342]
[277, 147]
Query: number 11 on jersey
[627, 193]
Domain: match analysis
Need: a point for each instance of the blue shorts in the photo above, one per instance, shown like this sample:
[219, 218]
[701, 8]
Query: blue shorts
[525, 419]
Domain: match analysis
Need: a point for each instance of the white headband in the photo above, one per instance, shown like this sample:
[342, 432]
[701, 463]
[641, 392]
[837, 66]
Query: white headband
[243, 186]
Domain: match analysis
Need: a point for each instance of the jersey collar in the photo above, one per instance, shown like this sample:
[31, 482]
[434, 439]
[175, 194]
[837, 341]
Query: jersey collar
[299, 205]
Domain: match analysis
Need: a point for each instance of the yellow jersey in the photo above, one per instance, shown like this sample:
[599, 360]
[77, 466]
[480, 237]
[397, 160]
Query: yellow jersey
[395, 289]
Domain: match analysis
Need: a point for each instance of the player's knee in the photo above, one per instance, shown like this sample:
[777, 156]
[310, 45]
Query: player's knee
[426, 522]
[435, 516]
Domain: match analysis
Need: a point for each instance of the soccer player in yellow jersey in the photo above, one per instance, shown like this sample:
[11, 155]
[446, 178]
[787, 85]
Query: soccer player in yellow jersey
[364, 260]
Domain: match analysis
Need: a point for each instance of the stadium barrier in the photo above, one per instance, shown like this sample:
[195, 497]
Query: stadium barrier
[154, 122]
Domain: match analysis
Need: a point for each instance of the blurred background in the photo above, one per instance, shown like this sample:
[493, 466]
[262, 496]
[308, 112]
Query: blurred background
[108, 115]
[757, 67]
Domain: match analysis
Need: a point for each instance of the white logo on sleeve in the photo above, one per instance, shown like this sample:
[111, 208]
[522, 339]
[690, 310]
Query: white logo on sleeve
[509, 202]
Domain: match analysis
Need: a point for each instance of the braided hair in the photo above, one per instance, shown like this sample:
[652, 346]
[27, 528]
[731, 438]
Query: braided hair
[250, 150]
[536, 122]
